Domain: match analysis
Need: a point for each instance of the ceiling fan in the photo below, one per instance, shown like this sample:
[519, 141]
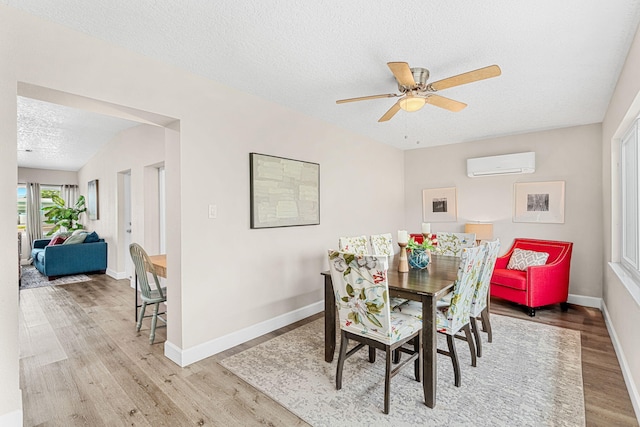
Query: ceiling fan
[415, 92]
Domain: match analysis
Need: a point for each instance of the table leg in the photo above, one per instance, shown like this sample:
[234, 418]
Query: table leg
[329, 320]
[429, 351]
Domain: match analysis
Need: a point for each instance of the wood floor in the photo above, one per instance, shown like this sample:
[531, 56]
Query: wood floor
[83, 364]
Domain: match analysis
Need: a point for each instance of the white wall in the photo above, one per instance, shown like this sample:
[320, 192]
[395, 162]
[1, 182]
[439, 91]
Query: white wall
[571, 155]
[228, 276]
[623, 309]
[46, 176]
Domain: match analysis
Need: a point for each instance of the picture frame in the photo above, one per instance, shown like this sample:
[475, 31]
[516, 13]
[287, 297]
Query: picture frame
[439, 205]
[93, 207]
[541, 202]
[283, 192]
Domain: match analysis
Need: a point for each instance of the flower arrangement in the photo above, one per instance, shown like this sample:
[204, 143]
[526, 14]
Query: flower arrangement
[428, 244]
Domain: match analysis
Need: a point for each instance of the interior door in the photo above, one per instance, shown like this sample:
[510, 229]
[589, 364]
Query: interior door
[127, 223]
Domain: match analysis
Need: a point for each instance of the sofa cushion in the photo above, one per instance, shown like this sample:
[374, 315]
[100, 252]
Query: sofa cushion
[75, 239]
[92, 237]
[38, 254]
[515, 279]
[58, 240]
[521, 259]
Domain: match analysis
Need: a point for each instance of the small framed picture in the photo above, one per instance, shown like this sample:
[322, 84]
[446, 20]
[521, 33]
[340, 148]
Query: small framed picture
[439, 205]
[92, 200]
[541, 202]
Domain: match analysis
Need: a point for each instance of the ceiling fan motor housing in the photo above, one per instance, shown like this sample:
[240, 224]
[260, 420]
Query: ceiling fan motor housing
[420, 75]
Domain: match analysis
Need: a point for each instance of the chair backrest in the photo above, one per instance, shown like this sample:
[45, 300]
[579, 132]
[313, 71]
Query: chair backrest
[362, 294]
[354, 245]
[143, 266]
[468, 273]
[451, 244]
[555, 249]
[482, 288]
[382, 244]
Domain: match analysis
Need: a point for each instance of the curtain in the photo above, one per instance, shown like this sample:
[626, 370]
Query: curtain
[69, 194]
[34, 220]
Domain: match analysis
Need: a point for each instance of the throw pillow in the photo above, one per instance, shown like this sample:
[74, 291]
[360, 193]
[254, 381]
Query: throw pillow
[92, 237]
[76, 232]
[75, 239]
[521, 259]
[58, 240]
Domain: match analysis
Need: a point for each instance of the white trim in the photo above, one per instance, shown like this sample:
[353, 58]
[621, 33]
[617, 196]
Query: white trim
[202, 351]
[624, 366]
[628, 281]
[118, 275]
[12, 419]
[585, 301]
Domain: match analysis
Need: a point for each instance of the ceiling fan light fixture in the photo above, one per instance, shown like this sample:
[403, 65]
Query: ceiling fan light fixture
[412, 103]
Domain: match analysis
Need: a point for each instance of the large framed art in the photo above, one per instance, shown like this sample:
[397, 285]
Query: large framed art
[93, 205]
[439, 205]
[284, 192]
[541, 202]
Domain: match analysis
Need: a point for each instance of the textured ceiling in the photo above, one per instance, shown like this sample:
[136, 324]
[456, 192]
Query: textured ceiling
[560, 60]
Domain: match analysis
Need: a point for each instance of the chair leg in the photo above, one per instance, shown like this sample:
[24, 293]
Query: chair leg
[472, 347]
[154, 321]
[454, 360]
[344, 342]
[486, 323]
[532, 311]
[387, 379]
[417, 347]
[142, 308]
[372, 354]
[476, 335]
[564, 306]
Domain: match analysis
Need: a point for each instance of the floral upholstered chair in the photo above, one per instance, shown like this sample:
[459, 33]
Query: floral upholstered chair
[354, 245]
[362, 302]
[382, 244]
[451, 244]
[479, 305]
[452, 318]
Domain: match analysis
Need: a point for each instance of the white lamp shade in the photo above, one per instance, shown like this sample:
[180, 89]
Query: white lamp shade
[412, 103]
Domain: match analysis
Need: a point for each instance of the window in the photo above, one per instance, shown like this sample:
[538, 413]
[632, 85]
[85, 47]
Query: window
[46, 193]
[630, 201]
[22, 207]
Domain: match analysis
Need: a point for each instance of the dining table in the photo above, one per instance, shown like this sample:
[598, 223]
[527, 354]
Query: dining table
[425, 285]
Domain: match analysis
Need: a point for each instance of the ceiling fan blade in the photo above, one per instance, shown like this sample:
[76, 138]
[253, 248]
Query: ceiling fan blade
[364, 98]
[390, 113]
[446, 103]
[464, 78]
[402, 73]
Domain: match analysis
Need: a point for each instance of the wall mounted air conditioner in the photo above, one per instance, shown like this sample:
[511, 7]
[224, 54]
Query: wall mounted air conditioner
[502, 165]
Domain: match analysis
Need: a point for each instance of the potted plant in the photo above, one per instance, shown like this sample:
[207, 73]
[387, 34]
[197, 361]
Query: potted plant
[420, 253]
[62, 217]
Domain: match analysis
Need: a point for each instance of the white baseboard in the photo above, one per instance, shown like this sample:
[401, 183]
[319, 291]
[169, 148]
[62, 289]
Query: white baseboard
[118, 275]
[202, 351]
[624, 366]
[12, 419]
[585, 301]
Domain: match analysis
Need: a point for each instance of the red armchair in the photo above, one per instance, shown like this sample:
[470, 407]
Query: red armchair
[538, 285]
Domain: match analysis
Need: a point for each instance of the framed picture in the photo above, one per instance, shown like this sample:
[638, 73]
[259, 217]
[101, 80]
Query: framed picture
[539, 202]
[92, 200]
[284, 192]
[439, 205]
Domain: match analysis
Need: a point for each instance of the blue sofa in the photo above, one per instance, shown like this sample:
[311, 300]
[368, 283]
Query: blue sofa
[62, 260]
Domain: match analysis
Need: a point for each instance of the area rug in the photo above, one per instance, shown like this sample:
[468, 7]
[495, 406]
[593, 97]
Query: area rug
[32, 278]
[530, 375]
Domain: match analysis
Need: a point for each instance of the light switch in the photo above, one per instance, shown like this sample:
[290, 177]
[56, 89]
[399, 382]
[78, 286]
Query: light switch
[213, 211]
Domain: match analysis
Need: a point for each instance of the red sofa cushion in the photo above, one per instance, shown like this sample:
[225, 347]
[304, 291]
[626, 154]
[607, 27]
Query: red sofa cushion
[515, 279]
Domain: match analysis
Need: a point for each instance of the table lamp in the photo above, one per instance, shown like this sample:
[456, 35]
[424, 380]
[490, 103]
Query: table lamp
[483, 231]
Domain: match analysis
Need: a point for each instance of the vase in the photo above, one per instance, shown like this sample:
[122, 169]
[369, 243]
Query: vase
[419, 258]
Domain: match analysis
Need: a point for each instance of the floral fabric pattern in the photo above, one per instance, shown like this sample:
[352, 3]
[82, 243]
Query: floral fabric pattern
[452, 244]
[362, 301]
[382, 244]
[354, 245]
[479, 302]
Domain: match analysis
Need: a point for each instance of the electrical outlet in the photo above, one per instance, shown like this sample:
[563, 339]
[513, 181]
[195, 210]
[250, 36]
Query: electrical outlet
[213, 211]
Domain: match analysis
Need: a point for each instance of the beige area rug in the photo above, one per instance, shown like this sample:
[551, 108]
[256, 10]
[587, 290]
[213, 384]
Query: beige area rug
[530, 375]
[32, 278]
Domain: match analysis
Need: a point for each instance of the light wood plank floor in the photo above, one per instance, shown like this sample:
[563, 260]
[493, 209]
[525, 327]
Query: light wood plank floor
[83, 364]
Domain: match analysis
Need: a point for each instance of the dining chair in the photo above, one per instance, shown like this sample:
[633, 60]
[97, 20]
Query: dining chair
[455, 317]
[480, 302]
[382, 244]
[355, 245]
[148, 295]
[451, 244]
[361, 292]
